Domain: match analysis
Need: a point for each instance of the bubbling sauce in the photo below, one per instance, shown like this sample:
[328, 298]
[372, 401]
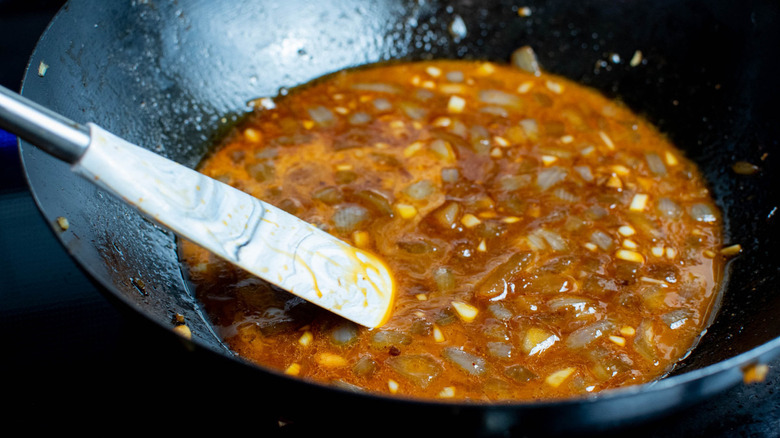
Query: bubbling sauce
[546, 242]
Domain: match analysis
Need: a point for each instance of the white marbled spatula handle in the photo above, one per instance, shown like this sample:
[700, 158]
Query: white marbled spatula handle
[252, 234]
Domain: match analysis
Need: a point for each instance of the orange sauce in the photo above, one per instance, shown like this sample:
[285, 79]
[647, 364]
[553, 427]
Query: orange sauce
[546, 242]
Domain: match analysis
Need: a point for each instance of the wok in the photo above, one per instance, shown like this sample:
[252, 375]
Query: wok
[173, 76]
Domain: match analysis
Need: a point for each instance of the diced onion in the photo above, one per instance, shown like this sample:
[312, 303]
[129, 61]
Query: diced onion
[348, 218]
[382, 104]
[467, 362]
[359, 118]
[586, 335]
[322, 116]
[524, 58]
[444, 278]
[413, 111]
[455, 76]
[377, 87]
[669, 208]
[501, 98]
[601, 239]
[656, 164]
[584, 172]
[389, 338]
[531, 128]
[676, 318]
[501, 350]
[702, 213]
[420, 190]
[420, 369]
[547, 178]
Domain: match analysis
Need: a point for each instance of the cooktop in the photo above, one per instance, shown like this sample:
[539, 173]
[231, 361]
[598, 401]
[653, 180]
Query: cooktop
[71, 356]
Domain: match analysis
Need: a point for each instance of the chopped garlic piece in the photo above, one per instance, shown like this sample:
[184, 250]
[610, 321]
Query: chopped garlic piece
[330, 360]
[465, 311]
[555, 87]
[591, 246]
[525, 87]
[657, 251]
[709, 254]
[452, 88]
[731, 250]
[626, 230]
[627, 330]
[482, 246]
[470, 221]
[587, 151]
[344, 167]
[341, 110]
[456, 104]
[639, 202]
[549, 159]
[392, 385]
[442, 122]
[629, 256]
[183, 331]
[671, 159]
[555, 379]
[671, 253]
[447, 392]
[406, 211]
[501, 141]
[293, 370]
[362, 239]
[607, 141]
[413, 149]
[755, 373]
[63, 222]
[486, 68]
[614, 182]
[636, 59]
[566, 139]
[42, 69]
[438, 336]
[621, 170]
[630, 244]
[510, 220]
[252, 135]
[433, 71]
[429, 85]
[306, 338]
[421, 297]
[496, 153]
[619, 340]
[537, 340]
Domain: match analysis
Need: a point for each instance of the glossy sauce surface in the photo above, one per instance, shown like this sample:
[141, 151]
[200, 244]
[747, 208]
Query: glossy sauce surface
[546, 242]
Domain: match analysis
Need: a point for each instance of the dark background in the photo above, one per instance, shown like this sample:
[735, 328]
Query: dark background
[73, 361]
[70, 359]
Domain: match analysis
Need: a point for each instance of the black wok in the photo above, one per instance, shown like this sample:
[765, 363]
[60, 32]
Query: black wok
[174, 75]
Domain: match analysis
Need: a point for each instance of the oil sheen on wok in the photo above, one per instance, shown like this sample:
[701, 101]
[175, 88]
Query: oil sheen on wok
[546, 241]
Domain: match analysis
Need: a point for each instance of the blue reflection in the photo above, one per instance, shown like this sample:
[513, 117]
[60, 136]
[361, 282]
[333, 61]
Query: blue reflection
[7, 140]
